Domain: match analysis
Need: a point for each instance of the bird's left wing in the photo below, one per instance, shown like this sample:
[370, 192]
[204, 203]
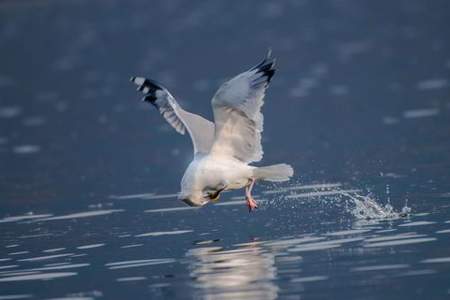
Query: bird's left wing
[200, 129]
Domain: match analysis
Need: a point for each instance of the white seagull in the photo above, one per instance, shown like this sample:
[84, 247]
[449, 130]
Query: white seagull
[224, 149]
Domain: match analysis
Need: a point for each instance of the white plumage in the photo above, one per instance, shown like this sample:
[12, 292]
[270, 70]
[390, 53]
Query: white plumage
[223, 149]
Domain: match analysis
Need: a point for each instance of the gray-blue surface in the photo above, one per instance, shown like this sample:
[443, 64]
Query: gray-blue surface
[360, 103]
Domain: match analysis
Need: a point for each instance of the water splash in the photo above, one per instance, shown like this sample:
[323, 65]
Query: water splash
[361, 207]
[367, 208]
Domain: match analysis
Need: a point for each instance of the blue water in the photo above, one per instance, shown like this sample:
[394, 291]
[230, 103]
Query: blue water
[360, 106]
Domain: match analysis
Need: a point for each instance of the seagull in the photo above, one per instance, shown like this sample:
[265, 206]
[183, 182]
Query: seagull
[223, 150]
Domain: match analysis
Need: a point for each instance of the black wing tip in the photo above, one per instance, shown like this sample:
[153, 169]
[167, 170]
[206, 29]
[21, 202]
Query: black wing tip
[142, 81]
[269, 74]
[148, 87]
[267, 66]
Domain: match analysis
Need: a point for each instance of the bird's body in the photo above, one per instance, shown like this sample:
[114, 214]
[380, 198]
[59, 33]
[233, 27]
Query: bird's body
[211, 173]
[224, 149]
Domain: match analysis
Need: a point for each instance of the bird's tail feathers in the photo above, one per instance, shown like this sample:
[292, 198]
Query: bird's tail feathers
[278, 172]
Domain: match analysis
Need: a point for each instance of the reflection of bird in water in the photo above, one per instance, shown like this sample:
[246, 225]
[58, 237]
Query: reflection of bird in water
[223, 149]
[244, 273]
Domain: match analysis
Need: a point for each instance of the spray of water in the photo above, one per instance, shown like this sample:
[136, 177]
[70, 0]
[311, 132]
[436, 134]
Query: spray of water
[362, 207]
[367, 208]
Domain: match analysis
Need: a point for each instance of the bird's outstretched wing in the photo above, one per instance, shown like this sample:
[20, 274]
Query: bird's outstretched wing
[237, 113]
[200, 129]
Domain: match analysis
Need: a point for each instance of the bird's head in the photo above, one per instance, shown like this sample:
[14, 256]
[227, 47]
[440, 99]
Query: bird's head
[200, 198]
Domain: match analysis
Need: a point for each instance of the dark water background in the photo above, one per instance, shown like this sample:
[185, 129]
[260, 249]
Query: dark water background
[361, 101]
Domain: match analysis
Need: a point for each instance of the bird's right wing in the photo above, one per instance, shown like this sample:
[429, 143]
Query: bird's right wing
[237, 113]
[200, 129]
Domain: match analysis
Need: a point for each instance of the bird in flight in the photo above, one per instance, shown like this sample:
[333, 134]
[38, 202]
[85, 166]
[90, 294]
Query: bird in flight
[223, 150]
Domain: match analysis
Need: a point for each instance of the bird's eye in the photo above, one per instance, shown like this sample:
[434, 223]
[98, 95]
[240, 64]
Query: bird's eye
[214, 196]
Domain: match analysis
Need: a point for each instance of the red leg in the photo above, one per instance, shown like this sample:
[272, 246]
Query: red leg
[251, 203]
